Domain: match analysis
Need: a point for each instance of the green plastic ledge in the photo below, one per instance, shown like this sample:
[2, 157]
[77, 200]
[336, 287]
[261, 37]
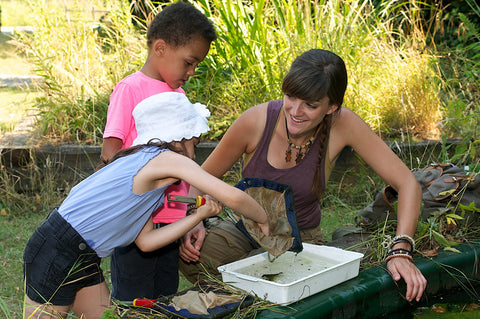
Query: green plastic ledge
[373, 293]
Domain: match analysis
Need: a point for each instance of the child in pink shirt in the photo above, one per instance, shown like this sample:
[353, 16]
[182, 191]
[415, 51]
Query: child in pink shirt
[178, 39]
[120, 126]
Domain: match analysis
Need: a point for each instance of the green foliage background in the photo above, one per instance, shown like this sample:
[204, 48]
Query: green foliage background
[401, 81]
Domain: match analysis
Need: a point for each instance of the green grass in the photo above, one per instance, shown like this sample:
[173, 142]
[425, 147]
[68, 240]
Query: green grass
[13, 61]
[396, 83]
[15, 102]
[257, 42]
[14, 234]
[14, 106]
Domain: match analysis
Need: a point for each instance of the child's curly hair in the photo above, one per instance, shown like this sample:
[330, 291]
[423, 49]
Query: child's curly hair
[178, 24]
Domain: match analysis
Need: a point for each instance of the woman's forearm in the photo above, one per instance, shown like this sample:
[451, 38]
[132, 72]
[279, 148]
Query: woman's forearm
[409, 206]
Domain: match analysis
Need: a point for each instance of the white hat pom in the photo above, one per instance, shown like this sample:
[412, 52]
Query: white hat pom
[202, 109]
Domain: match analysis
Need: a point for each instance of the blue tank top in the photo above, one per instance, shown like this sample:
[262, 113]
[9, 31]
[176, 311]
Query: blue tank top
[104, 210]
[300, 177]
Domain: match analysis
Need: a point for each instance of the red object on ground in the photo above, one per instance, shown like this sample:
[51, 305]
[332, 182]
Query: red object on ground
[142, 302]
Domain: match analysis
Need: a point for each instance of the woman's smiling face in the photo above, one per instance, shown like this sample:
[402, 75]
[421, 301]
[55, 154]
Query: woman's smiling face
[302, 116]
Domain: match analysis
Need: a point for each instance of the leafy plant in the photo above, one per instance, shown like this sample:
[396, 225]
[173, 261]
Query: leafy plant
[79, 66]
[459, 66]
[4, 308]
[258, 42]
[394, 84]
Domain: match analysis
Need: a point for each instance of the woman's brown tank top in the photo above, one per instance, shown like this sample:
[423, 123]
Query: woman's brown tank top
[300, 177]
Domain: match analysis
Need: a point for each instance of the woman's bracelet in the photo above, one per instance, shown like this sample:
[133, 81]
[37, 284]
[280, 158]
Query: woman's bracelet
[400, 240]
[399, 255]
[405, 237]
[399, 252]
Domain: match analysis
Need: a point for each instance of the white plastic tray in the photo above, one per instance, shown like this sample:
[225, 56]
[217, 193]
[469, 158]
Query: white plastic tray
[292, 277]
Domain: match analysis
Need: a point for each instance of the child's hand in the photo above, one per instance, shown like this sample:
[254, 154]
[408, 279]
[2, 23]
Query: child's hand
[211, 208]
[264, 228]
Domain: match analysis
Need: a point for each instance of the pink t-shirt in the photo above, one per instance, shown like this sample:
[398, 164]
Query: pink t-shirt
[120, 124]
[127, 94]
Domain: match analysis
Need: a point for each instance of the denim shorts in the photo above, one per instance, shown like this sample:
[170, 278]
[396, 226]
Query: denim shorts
[138, 274]
[57, 262]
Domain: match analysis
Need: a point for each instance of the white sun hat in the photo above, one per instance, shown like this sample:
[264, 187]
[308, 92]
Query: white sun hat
[169, 117]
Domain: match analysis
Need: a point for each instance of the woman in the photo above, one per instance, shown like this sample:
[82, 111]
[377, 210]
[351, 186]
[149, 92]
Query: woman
[296, 141]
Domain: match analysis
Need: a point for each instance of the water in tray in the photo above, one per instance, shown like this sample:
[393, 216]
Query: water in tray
[288, 268]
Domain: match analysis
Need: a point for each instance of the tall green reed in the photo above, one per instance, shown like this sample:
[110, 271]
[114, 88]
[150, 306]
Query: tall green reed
[462, 86]
[393, 85]
[393, 79]
[80, 61]
[4, 308]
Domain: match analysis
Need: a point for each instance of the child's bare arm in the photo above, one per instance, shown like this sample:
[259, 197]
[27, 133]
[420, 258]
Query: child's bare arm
[111, 145]
[168, 165]
[151, 239]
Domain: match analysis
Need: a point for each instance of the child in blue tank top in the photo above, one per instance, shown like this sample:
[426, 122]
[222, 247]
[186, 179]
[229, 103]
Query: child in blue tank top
[112, 208]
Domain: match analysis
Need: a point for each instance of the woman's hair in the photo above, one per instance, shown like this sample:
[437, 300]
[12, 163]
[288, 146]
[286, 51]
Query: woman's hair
[313, 75]
[178, 24]
[132, 150]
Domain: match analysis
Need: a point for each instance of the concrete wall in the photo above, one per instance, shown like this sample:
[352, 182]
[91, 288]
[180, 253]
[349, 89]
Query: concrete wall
[71, 163]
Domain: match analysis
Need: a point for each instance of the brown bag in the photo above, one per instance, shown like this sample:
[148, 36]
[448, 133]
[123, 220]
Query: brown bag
[277, 200]
[445, 187]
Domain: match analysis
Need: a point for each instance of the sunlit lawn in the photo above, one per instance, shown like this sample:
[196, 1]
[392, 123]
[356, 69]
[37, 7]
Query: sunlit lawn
[14, 13]
[14, 105]
[12, 61]
[14, 102]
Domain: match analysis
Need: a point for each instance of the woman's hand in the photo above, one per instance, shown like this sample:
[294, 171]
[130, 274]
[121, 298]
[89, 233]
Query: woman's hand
[400, 267]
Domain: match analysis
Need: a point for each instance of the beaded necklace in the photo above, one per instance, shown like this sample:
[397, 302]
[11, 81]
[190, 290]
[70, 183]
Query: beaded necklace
[301, 149]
